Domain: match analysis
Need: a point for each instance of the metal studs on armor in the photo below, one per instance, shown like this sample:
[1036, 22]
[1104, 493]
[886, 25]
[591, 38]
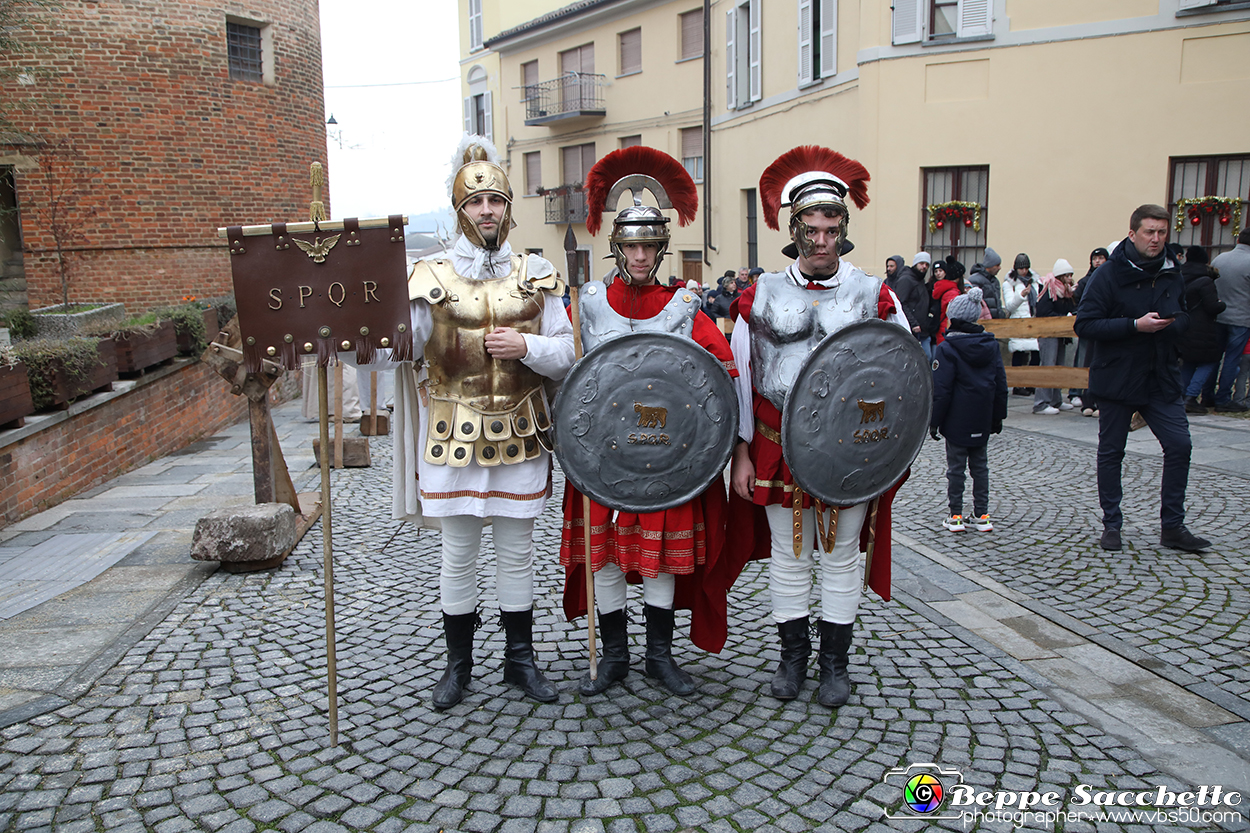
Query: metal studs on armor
[385, 342]
[488, 453]
[273, 351]
[442, 426]
[436, 451]
[496, 426]
[346, 345]
[436, 292]
[540, 419]
[511, 450]
[466, 427]
[522, 423]
[529, 445]
[459, 453]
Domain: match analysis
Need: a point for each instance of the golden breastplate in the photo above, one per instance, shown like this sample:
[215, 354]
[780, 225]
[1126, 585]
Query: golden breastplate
[481, 408]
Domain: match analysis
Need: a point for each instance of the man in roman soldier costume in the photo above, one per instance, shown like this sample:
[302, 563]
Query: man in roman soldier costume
[490, 331]
[778, 322]
[672, 550]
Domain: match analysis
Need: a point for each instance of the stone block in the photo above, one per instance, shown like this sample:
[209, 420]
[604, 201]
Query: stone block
[355, 452]
[246, 538]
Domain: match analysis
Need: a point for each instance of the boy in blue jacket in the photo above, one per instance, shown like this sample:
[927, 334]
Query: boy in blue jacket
[969, 404]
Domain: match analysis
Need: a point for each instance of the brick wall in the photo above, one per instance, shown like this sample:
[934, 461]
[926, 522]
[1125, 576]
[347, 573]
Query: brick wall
[166, 147]
[89, 448]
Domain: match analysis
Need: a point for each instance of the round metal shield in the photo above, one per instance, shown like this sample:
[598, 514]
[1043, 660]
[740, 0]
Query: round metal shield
[858, 412]
[645, 422]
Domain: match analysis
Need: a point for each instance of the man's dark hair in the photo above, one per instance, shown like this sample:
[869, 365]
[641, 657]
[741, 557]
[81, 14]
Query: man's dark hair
[830, 212]
[1244, 237]
[1149, 211]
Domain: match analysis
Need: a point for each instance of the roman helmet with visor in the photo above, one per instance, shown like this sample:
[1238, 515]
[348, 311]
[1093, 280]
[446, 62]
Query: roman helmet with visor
[476, 172]
[812, 177]
[637, 169]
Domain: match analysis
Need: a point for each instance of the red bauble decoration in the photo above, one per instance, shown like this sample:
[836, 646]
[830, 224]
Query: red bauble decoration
[967, 221]
[939, 224]
[1195, 219]
[1224, 220]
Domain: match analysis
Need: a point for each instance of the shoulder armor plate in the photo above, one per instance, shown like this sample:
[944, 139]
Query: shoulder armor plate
[428, 280]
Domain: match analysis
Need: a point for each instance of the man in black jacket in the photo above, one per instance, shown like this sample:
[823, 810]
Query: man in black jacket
[909, 286]
[985, 275]
[1133, 310]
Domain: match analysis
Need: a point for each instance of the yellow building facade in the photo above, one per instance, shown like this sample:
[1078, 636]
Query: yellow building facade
[1027, 125]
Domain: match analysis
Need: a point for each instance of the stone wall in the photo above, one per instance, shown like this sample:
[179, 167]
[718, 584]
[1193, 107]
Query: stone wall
[164, 147]
[109, 434]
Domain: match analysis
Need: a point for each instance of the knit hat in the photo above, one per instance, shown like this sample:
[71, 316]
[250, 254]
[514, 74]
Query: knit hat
[991, 258]
[1196, 254]
[1022, 261]
[1062, 267]
[954, 269]
[921, 257]
[966, 307]
[692, 284]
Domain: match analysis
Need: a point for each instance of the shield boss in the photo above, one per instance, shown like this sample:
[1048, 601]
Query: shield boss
[857, 414]
[645, 422]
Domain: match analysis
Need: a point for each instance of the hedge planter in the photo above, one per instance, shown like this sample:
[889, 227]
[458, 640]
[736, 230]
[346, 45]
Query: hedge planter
[52, 322]
[62, 370]
[139, 349]
[15, 401]
[189, 341]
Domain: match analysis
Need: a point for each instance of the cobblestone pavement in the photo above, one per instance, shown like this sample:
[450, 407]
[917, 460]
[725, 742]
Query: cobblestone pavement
[217, 719]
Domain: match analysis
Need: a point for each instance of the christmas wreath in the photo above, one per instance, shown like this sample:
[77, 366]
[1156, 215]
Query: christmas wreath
[955, 211]
[1225, 209]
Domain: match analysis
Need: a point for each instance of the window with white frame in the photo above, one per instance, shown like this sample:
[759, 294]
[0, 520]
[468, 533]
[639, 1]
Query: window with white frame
[477, 105]
[932, 21]
[475, 24]
[692, 152]
[631, 51]
[818, 40]
[691, 34]
[1212, 5]
[742, 55]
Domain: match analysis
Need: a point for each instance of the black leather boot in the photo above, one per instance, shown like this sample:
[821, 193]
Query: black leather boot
[614, 664]
[660, 652]
[518, 657]
[458, 631]
[796, 648]
[835, 682]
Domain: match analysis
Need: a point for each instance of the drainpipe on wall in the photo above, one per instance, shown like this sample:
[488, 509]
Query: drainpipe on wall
[707, 131]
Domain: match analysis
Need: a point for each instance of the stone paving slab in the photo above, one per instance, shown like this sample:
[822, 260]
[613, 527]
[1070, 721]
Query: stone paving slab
[58, 565]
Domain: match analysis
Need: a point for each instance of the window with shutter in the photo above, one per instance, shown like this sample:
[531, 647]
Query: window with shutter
[742, 54]
[475, 24]
[818, 40]
[976, 18]
[631, 51]
[533, 172]
[907, 22]
[631, 141]
[692, 152]
[754, 47]
[691, 34]
[731, 58]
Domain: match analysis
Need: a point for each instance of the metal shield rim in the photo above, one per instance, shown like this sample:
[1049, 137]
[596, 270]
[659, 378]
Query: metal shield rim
[908, 342]
[625, 340]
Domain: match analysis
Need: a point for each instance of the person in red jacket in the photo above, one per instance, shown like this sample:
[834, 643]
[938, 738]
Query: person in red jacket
[949, 284]
[675, 553]
[784, 316]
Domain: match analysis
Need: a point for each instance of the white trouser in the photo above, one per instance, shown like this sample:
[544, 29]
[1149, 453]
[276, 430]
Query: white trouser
[610, 586]
[514, 563]
[790, 578]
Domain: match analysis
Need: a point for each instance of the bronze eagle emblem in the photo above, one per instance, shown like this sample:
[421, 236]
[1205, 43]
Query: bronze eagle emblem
[319, 248]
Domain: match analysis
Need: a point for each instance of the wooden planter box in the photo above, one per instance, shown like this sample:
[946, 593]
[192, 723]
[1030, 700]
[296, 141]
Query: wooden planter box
[15, 402]
[65, 389]
[137, 351]
[186, 343]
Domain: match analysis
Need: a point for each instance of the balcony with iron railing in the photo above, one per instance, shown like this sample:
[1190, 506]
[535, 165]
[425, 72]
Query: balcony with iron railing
[564, 204]
[571, 97]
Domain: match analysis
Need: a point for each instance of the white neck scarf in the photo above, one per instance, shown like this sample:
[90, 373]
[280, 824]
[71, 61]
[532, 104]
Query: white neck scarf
[481, 264]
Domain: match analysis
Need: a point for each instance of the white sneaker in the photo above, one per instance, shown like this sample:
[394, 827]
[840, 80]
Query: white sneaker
[1087, 412]
[1076, 401]
[955, 523]
[1066, 406]
[1049, 410]
[983, 524]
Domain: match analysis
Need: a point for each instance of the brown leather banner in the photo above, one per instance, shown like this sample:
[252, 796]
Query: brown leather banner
[322, 292]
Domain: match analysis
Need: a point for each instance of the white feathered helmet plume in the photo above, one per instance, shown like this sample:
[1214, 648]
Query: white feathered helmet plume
[476, 171]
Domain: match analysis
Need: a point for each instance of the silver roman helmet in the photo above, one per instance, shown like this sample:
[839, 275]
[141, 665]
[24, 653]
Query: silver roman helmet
[810, 177]
[638, 169]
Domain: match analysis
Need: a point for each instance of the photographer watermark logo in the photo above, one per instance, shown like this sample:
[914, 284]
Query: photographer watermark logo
[924, 789]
